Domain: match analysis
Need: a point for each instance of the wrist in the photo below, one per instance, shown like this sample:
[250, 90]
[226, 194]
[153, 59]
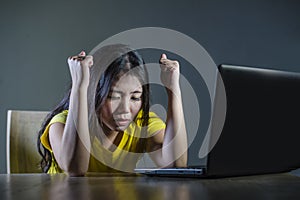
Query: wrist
[80, 86]
[79, 89]
[174, 93]
[173, 89]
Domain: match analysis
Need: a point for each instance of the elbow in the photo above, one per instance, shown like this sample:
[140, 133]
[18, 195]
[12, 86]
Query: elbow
[170, 162]
[180, 164]
[76, 173]
[177, 164]
[182, 161]
[74, 170]
[174, 164]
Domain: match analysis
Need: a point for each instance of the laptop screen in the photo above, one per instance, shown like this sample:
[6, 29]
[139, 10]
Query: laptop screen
[261, 133]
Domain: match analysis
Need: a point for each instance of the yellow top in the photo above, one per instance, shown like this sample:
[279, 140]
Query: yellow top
[123, 158]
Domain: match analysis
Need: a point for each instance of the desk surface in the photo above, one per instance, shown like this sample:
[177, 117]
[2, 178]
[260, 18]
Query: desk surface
[56, 187]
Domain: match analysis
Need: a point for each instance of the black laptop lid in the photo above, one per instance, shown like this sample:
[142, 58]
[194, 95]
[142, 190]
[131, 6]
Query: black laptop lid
[261, 133]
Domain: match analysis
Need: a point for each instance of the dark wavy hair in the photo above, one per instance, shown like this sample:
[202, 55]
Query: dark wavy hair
[124, 63]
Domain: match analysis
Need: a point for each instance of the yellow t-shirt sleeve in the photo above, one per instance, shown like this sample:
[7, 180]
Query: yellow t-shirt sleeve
[60, 118]
[155, 124]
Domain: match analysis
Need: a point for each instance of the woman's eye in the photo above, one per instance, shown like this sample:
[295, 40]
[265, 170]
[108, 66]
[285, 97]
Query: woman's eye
[114, 97]
[136, 98]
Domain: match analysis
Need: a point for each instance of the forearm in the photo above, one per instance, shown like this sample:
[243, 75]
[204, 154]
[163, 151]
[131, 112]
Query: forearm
[175, 140]
[75, 146]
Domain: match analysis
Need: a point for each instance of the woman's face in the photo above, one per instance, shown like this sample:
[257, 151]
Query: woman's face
[123, 103]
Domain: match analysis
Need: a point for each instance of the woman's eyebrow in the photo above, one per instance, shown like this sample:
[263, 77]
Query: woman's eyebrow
[136, 92]
[120, 92]
[115, 91]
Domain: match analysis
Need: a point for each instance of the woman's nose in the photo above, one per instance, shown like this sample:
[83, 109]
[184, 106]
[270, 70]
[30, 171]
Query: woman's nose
[124, 106]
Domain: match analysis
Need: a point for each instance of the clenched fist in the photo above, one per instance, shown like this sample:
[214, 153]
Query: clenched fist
[79, 67]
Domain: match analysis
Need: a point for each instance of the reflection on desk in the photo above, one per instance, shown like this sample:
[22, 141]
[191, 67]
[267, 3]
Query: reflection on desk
[105, 186]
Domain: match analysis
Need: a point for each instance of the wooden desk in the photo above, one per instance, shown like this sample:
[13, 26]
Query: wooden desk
[42, 186]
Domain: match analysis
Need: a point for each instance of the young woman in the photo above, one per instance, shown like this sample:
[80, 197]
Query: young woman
[69, 140]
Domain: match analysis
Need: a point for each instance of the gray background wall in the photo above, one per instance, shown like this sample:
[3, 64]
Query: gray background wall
[36, 37]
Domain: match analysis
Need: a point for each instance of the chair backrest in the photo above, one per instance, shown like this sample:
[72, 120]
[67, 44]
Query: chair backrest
[22, 128]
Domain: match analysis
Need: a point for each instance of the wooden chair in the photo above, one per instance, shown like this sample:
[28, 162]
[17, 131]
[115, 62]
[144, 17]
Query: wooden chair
[22, 132]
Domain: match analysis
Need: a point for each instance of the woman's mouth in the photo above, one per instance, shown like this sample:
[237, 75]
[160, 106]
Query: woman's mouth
[122, 122]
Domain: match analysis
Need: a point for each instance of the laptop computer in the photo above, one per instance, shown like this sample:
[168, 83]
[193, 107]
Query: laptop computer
[261, 132]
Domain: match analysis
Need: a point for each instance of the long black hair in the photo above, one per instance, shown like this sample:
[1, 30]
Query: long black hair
[124, 63]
